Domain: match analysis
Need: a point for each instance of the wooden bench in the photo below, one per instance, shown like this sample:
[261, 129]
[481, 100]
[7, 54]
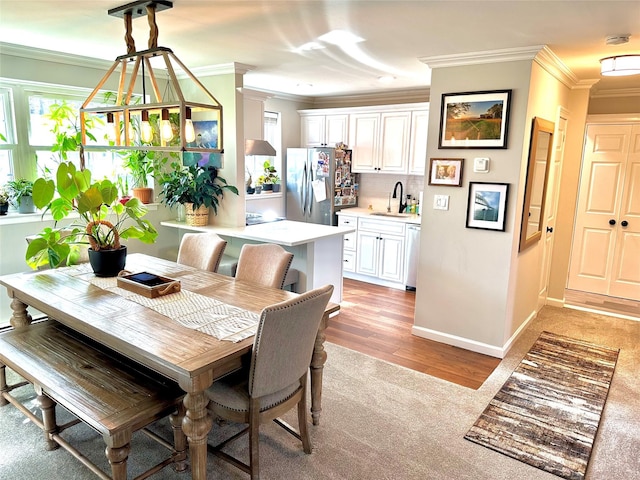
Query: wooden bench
[113, 396]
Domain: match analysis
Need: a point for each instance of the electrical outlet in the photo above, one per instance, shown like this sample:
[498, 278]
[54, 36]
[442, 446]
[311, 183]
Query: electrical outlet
[441, 202]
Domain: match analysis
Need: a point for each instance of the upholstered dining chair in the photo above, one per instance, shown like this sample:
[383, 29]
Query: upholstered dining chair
[276, 378]
[265, 264]
[201, 250]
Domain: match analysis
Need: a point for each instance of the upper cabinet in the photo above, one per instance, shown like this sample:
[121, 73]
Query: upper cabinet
[380, 141]
[418, 142]
[384, 139]
[324, 130]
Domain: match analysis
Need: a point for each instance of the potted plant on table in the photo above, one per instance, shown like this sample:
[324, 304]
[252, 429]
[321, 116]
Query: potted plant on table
[21, 195]
[198, 187]
[102, 220]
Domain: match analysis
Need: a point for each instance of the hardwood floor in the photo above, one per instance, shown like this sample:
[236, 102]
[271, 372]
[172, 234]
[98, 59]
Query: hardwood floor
[377, 321]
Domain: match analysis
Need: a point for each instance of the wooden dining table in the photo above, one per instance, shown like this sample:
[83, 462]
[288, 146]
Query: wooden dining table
[191, 358]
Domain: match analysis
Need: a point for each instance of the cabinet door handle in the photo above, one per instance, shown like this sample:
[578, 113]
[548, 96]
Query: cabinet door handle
[624, 223]
[612, 222]
[549, 229]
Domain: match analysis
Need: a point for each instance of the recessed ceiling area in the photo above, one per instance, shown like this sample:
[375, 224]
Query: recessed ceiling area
[285, 44]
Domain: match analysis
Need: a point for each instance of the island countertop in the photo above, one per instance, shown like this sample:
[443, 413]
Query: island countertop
[284, 232]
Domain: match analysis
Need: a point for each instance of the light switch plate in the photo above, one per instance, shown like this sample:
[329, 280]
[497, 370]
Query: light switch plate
[481, 165]
[441, 202]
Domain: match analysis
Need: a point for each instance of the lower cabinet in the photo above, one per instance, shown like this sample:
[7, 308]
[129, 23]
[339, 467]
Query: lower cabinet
[380, 255]
[349, 243]
[380, 249]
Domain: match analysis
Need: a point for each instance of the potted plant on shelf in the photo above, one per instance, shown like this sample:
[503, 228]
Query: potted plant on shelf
[197, 187]
[21, 195]
[142, 164]
[270, 179]
[4, 201]
[101, 221]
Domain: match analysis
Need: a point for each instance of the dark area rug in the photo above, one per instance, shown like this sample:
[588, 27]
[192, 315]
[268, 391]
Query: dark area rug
[547, 413]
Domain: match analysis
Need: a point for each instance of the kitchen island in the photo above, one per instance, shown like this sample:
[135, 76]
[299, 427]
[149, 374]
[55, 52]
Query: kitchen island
[317, 249]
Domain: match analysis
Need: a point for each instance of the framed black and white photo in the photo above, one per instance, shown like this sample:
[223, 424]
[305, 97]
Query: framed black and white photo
[487, 205]
[445, 171]
[475, 119]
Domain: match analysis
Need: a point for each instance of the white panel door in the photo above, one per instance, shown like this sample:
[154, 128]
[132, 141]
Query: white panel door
[418, 142]
[551, 204]
[392, 258]
[625, 275]
[605, 258]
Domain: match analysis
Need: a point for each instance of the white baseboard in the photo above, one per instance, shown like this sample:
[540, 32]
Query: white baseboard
[472, 345]
[555, 302]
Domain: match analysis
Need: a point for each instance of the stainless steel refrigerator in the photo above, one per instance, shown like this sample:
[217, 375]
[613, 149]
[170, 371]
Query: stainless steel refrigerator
[319, 183]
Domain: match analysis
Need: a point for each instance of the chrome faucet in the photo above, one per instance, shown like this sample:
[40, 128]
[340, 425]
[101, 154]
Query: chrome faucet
[402, 206]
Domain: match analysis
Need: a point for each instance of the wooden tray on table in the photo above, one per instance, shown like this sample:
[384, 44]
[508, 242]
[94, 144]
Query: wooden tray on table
[148, 284]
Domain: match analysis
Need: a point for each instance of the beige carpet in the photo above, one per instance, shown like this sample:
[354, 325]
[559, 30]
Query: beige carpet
[547, 413]
[381, 421]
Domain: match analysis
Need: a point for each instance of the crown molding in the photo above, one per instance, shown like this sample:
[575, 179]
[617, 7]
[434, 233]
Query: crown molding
[612, 93]
[550, 62]
[222, 69]
[478, 58]
[52, 56]
[417, 95]
[541, 54]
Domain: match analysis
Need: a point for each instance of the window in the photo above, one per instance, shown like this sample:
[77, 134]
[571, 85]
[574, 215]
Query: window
[100, 163]
[254, 164]
[26, 152]
[8, 138]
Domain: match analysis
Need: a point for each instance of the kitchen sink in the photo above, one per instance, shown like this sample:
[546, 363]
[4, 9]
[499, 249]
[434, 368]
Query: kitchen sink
[390, 214]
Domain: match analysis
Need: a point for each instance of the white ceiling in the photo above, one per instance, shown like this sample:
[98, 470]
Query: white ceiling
[396, 33]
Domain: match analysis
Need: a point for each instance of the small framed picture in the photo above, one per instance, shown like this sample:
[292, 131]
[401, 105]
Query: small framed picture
[487, 205]
[475, 119]
[445, 171]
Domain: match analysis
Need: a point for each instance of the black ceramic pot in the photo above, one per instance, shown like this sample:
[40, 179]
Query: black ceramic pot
[4, 208]
[108, 263]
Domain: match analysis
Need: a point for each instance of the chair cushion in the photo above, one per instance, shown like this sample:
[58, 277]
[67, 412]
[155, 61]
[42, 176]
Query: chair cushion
[231, 393]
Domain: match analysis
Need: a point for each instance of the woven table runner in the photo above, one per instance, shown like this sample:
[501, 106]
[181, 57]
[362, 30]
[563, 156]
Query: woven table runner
[191, 310]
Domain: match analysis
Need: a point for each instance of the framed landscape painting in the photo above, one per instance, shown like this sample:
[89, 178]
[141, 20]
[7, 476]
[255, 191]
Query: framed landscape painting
[487, 205]
[475, 119]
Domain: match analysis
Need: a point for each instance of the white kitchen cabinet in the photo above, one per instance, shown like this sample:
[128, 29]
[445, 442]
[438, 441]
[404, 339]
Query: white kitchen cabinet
[324, 130]
[349, 243]
[380, 141]
[380, 249]
[418, 142]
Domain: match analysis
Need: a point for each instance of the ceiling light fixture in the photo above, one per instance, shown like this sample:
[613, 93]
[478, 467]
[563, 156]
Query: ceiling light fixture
[165, 124]
[620, 65]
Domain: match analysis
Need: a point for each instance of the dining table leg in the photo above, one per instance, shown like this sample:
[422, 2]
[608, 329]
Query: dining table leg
[196, 425]
[318, 360]
[20, 316]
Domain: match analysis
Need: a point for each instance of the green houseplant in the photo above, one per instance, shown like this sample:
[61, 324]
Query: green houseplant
[270, 178]
[4, 201]
[21, 195]
[102, 220]
[142, 164]
[198, 187]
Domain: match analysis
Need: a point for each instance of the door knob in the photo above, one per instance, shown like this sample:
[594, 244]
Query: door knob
[612, 222]
[624, 223]
[549, 229]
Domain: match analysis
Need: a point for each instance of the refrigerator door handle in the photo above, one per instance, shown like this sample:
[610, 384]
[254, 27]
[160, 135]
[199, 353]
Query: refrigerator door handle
[303, 189]
[309, 199]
